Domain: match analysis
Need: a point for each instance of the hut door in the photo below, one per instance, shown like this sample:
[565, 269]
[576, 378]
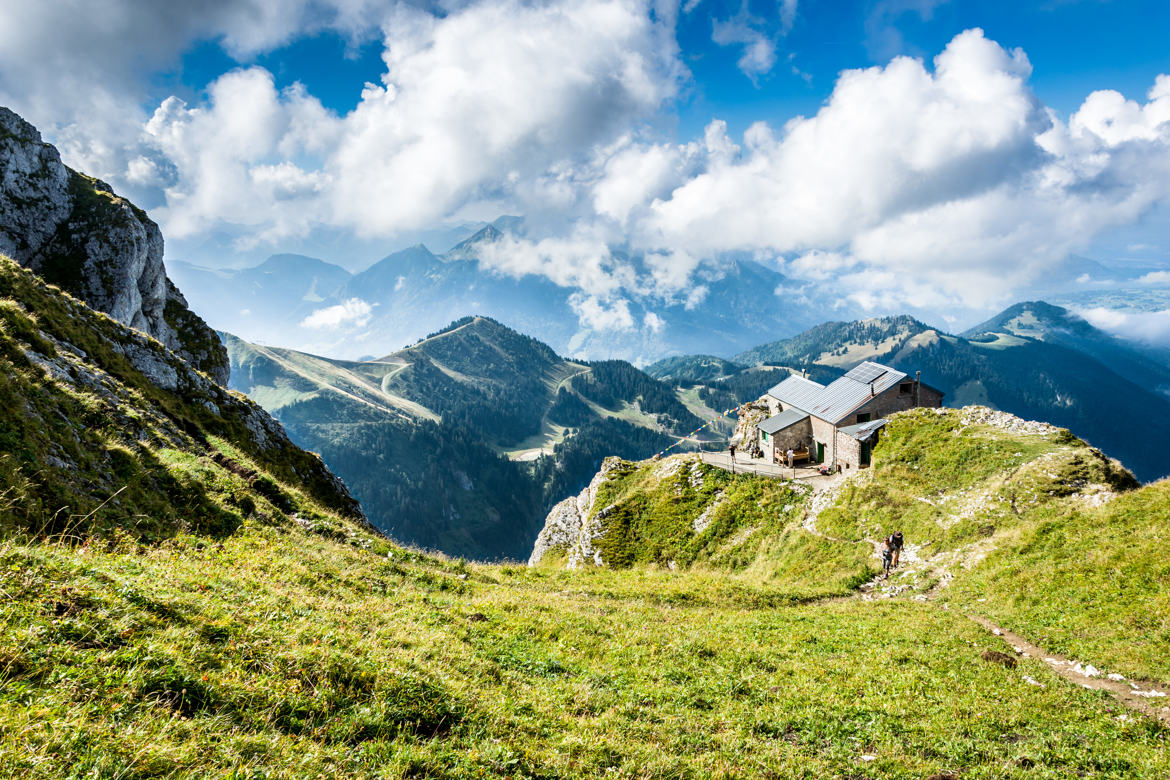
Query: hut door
[864, 453]
[820, 453]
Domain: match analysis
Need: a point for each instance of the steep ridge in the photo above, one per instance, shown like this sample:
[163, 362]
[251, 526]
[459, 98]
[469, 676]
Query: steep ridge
[110, 430]
[78, 234]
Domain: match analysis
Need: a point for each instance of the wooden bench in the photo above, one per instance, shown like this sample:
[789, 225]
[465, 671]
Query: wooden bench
[798, 456]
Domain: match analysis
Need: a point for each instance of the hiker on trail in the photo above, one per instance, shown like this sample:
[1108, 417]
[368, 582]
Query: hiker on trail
[895, 542]
[887, 555]
[791, 457]
[732, 448]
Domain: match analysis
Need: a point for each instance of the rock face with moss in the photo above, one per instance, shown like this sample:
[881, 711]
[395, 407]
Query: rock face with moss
[572, 527]
[78, 234]
[109, 431]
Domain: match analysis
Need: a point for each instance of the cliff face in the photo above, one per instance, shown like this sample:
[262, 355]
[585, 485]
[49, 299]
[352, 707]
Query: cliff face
[76, 233]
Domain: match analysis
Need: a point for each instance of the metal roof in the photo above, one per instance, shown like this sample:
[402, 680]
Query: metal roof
[863, 431]
[797, 391]
[779, 422]
[843, 395]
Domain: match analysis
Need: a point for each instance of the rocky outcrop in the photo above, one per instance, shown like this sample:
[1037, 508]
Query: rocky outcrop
[76, 233]
[750, 415]
[570, 528]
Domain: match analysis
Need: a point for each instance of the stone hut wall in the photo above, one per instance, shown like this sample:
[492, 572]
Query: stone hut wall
[795, 436]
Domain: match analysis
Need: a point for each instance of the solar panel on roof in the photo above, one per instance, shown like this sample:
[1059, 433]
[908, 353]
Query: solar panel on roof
[865, 373]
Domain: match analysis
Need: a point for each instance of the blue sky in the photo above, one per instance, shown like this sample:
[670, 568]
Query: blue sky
[792, 131]
[1075, 46]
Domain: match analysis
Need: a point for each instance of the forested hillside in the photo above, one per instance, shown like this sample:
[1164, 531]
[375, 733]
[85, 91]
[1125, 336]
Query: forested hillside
[462, 441]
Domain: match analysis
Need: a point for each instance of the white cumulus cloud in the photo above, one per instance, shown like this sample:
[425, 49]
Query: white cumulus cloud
[353, 312]
[599, 314]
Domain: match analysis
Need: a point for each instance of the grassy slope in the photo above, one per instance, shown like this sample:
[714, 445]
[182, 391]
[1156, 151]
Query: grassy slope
[1014, 519]
[1009, 518]
[1090, 583]
[263, 646]
[752, 531]
[278, 651]
[101, 447]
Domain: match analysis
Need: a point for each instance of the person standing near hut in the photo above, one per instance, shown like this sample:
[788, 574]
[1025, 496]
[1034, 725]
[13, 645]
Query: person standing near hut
[731, 447]
[791, 458]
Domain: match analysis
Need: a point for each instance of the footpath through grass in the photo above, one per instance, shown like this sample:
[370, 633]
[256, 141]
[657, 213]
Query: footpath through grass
[1087, 582]
[280, 652]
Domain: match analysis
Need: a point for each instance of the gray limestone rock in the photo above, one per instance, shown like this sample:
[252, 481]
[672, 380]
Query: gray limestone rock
[75, 232]
[570, 528]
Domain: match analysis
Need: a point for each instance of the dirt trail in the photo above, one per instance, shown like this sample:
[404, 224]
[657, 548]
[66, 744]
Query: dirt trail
[918, 567]
[1152, 699]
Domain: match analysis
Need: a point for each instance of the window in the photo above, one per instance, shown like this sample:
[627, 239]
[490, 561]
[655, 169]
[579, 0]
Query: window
[765, 435]
[864, 417]
[905, 388]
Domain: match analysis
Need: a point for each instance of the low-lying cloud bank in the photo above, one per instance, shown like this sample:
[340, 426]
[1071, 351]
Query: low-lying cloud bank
[1151, 327]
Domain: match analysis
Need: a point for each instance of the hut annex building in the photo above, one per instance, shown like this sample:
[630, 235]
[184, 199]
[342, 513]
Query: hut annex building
[838, 424]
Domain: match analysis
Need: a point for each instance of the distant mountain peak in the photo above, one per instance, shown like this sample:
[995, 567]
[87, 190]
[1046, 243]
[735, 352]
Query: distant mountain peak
[467, 249]
[287, 261]
[1031, 319]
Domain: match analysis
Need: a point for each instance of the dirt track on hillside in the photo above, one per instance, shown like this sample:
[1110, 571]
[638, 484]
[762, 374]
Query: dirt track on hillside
[1152, 699]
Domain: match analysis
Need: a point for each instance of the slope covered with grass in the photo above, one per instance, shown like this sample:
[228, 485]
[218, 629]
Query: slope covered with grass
[681, 512]
[1087, 581]
[106, 429]
[1030, 527]
[1019, 522]
[209, 603]
[280, 650]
